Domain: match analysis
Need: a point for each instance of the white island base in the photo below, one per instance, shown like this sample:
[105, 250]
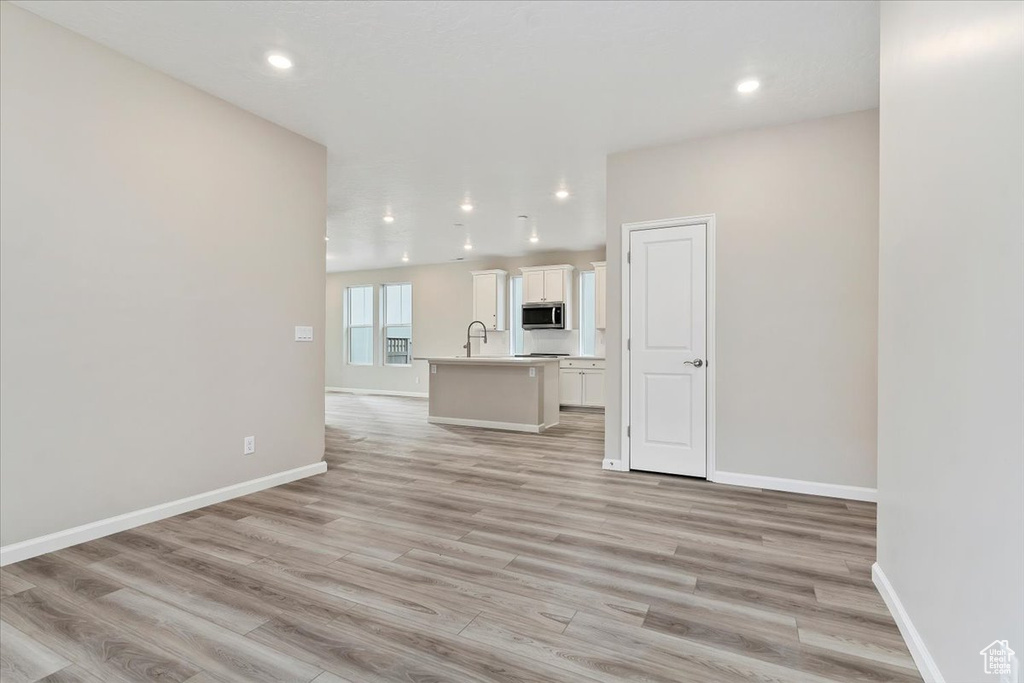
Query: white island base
[515, 394]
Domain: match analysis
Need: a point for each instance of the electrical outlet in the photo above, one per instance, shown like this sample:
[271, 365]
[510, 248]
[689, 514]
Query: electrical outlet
[417, 380]
[250, 445]
[533, 372]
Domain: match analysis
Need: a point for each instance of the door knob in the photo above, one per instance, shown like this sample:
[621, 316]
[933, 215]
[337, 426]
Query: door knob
[696, 362]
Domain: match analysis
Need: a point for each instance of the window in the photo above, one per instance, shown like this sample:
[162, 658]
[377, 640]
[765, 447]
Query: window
[397, 324]
[516, 298]
[359, 302]
[588, 309]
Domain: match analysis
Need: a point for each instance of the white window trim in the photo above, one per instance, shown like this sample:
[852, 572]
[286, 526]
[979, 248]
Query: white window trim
[579, 321]
[384, 324]
[349, 326]
[512, 315]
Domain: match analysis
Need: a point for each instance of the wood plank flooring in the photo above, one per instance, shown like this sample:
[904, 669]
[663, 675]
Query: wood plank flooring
[433, 553]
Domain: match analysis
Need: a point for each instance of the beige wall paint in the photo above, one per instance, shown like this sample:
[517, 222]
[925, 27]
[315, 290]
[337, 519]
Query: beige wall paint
[158, 245]
[951, 325]
[442, 307]
[797, 257]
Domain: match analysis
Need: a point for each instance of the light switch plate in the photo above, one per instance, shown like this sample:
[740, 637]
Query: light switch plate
[303, 333]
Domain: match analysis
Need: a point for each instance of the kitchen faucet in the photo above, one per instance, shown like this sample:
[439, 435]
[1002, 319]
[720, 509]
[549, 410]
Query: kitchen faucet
[469, 337]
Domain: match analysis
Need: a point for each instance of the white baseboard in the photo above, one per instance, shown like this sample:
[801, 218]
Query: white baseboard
[814, 488]
[490, 424]
[23, 550]
[378, 392]
[922, 658]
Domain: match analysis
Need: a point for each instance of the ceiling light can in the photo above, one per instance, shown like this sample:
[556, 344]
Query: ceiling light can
[279, 61]
[748, 86]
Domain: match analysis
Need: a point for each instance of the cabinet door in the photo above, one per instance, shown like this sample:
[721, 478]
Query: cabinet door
[533, 286]
[600, 297]
[593, 388]
[570, 388]
[485, 299]
[554, 285]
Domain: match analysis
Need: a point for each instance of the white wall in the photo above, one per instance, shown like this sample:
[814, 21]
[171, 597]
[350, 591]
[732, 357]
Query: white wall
[157, 245]
[951, 325]
[797, 230]
[442, 302]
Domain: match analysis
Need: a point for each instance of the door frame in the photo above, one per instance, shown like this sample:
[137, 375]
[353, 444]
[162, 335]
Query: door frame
[711, 361]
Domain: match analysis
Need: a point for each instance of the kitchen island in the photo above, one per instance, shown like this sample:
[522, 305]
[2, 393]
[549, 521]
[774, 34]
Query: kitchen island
[495, 392]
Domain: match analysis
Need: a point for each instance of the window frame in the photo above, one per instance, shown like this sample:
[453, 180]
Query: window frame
[512, 314]
[349, 326]
[582, 312]
[384, 324]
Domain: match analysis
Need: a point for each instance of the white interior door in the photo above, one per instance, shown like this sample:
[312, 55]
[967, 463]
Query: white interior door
[667, 350]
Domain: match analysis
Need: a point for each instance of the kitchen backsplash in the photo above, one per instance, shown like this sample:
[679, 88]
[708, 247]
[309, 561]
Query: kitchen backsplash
[537, 341]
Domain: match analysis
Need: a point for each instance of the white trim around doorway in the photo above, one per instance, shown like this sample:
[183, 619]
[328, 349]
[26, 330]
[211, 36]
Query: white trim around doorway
[712, 361]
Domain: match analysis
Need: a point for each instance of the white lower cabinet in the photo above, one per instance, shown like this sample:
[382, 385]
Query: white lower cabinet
[581, 383]
[593, 388]
[570, 388]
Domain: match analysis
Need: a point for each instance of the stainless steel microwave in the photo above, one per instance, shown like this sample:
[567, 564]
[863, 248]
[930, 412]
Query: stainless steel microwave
[544, 316]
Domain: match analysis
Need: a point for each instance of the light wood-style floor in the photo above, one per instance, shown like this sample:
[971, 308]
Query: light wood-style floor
[431, 553]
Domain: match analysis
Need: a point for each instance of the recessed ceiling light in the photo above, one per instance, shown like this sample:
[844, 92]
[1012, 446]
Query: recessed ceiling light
[534, 239]
[388, 218]
[327, 238]
[405, 258]
[279, 61]
[562, 194]
[466, 205]
[748, 86]
[467, 246]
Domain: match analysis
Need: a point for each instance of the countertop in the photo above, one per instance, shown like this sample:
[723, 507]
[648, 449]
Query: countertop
[487, 360]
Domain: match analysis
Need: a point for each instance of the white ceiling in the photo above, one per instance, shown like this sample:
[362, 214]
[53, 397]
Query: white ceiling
[420, 103]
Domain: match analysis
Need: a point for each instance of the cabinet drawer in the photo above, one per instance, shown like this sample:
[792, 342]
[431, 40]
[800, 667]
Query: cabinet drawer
[583, 363]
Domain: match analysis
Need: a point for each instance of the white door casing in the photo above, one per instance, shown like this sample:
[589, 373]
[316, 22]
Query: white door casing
[667, 356]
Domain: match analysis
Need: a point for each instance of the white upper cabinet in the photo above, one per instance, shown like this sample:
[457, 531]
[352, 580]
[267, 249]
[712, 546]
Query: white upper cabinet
[533, 286]
[489, 298]
[554, 285]
[547, 284]
[600, 294]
